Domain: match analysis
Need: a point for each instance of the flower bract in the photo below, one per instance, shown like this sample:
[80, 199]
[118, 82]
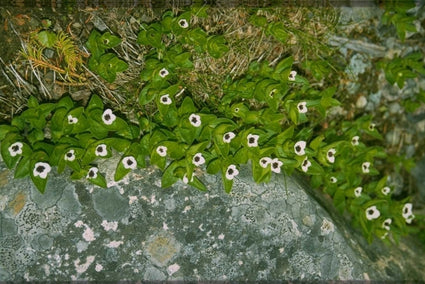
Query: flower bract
[41, 169]
[108, 117]
[358, 191]
[299, 148]
[15, 149]
[101, 150]
[302, 107]
[331, 155]
[198, 159]
[195, 120]
[292, 75]
[165, 99]
[129, 162]
[92, 173]
[70, 155]
[365, 167]
[162, 151]
[163, 72]
[183, 23]
[231, 172]
[305, 165]
[372, 213]
[252, 140]
[227, 137]
[276, 165]
[72, 120]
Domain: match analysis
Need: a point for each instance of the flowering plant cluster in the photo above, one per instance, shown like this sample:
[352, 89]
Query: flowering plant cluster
[268, 118]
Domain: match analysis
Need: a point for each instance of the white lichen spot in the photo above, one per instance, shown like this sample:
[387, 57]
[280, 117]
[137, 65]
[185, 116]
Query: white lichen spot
[173, 269]
[81, 268]
[327, 227]
[200, 228]
[108, 226]
[98, 267]
[164, 226]
[132, 199]
[281, 250]
[88, 234]
[139, 252]
[114, 244]
[220, 237]
[240, 262]
[66, 256]
[295, 228]
[186, 209]
[79, 224]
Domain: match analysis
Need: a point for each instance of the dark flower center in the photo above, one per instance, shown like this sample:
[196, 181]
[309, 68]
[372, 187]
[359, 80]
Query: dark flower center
[91, 174]
[69, 155]
[164, 99]
[227, 136]
[405, 210]
[161, 150]
[40, 169]
[15, 148]
[330, 154]
[251, 140]
[298, 148]
[305, 163]
[275, 165]
[129, 162]
[197, 159]
[99, 149]
[370, 212]
[194, 120]
[301, 107]
[163, 72]
[230, 171]
[107, 117]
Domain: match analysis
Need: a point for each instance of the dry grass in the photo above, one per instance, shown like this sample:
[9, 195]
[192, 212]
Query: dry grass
[308, 29]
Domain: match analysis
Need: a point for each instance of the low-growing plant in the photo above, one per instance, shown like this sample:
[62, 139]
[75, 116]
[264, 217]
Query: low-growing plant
[270, 118]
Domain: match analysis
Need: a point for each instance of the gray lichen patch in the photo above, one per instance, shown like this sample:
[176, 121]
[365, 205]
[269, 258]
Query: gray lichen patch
[138, 231]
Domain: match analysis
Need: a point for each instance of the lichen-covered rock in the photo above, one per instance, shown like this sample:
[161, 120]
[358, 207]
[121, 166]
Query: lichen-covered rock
[137, 230]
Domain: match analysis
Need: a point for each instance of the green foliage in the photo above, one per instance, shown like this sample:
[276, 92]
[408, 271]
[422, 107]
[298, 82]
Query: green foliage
[268, 117]
[102, 62]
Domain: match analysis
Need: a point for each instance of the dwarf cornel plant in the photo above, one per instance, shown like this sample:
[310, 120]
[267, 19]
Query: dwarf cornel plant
[267, 117]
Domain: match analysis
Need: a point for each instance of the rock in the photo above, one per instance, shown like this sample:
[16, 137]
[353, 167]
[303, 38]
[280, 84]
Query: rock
[258, 232]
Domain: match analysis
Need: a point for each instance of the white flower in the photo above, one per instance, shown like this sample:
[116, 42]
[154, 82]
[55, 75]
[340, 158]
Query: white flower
[92, 173]
[252, 140]
[305, 165]
[385, 190]
[302, 107]
[227, 137]
[72, 120]
[129, 162]
[108, 117]
[333, 179]
[331, 155]
[198, 159]
[355, 141]
[365, 167]
[163, 72]
[186, 180]
[15, 149]
[292, 75]
[231, 172]
[372, 213]
[195, 120]
[101, 150]
[183, 23]
[276, 165]
[41, 169]
[358, 191]
[265, 161]
[162, 151]
[386, 224]
[372, 126]
[299, 148]
[165, 99]
[407, 213]
[70, 155]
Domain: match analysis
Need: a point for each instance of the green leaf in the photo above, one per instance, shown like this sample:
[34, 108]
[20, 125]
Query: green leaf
[107, 40]
[259, 21]
[339, 200]
[9, 160]
[47, 38]
[32, 102]
[168, 177]
[151, 35]
[198, 184]
[187, 107]
[277, 30]
[214, 166]
[216, 46]
[94, 45]
[99, 180]
[5, 130]
[94, 103]
[23, 167]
